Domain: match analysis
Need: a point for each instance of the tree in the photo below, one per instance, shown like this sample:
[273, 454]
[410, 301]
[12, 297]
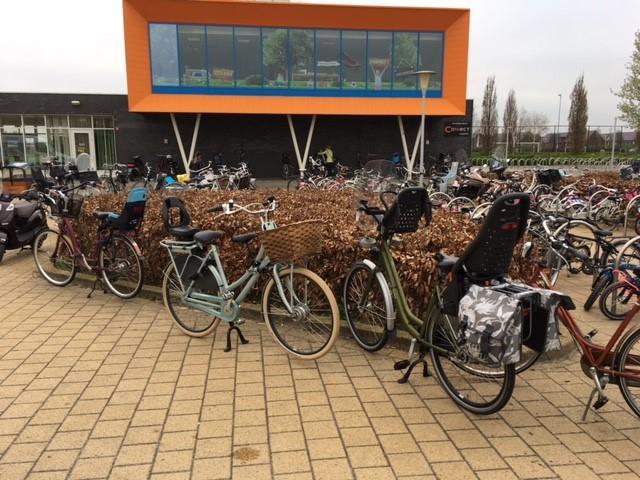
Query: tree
[532, 126]
[489, 120]
[578, 116]
[510, 118]
[596, 141]
[275, 49]
[629, 93]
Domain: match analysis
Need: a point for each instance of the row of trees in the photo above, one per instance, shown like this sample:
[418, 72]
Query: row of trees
[521, 126]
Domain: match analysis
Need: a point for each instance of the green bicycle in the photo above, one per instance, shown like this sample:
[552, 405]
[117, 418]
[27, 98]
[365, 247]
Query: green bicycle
[373, 295]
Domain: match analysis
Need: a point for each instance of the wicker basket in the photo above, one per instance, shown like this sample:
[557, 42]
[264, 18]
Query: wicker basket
[291, 242]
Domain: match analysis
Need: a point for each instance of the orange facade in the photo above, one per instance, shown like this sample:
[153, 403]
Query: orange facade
[139, 13]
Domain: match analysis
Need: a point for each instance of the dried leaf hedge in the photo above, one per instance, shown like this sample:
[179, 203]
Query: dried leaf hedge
[606, 179]
[448, 232]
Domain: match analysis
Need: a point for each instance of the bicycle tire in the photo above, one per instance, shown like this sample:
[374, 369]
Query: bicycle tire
[178, 308]
[293, 185]
[621, 361]
[55, 244]
[107, 272]
[610, 294]
[276, 321]
[506, 374]
[375, 336]
[596, 291]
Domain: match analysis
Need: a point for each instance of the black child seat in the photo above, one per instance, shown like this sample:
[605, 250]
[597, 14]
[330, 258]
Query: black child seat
[183, 230]
[488, 256]
[403, 216]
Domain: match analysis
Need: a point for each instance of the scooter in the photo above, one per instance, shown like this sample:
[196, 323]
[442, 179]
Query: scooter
[21, 219]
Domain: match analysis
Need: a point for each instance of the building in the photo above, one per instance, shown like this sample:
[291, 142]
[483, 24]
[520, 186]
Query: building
[264, 79]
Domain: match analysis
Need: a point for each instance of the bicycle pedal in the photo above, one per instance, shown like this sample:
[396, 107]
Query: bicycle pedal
[601, 402]
[591, 334]
[401, 364]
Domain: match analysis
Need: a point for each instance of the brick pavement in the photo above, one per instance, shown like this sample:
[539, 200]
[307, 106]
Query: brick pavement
[103, 388]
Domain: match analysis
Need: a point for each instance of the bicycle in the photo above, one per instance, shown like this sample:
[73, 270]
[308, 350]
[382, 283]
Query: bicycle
[117, 259]
[373, 297]
[298, 307]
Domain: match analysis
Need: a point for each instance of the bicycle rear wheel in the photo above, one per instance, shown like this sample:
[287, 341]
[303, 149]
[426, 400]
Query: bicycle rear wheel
[54, 257]
[480, 389]
[191, 321]
[617, 300]
[366, 307]
[311, 329]
[628, 360]
[122, 268]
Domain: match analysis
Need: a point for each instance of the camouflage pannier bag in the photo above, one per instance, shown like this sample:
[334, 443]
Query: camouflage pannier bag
[492, 325]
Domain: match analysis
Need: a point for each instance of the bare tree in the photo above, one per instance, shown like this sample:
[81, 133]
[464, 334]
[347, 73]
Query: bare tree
[489, 120]
[578, 117]
[532, 126]
[510, 119]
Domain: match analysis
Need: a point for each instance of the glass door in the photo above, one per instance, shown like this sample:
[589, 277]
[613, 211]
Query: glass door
[81, 141]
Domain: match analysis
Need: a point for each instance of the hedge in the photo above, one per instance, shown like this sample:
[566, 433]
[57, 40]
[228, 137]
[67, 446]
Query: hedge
[448, 232]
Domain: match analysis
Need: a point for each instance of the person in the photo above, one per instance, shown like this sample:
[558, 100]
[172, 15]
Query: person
[197, 162]
[329, 161]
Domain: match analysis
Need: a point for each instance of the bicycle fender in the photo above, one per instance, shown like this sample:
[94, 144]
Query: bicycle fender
[386, 294]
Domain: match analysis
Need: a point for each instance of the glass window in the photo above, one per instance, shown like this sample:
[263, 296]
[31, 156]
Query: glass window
[354, 69]
[379, 61]
[105, 144]
[59, 143]
[405, 58]
[102, 121]
[220, 50]
[10, 124]
[164, 54]
[248, 57]
[275, 57]
[54, 121]
[80, 121]
[301, 58]
[36, 146]
[193, 58]
[328, 58]
[12, 148]
[31, 122]
[431, 57]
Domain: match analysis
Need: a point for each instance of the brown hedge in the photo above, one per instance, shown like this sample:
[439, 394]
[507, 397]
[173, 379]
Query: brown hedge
[448, 232]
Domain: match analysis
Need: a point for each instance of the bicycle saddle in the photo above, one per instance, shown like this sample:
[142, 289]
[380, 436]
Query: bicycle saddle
[244, 238]
[602, 233]
[24, 209]
[208, 237]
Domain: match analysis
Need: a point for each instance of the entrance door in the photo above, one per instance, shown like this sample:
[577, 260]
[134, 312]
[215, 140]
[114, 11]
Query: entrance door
[81, 141]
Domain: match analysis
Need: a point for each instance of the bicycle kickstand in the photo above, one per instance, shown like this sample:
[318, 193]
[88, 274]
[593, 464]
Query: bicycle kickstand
[93, 287]
[410, 365]
[243, 340]
[599, 390]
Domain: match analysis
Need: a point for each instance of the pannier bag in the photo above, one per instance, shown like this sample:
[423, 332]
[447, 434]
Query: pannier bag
[492, 326]
[540, 324]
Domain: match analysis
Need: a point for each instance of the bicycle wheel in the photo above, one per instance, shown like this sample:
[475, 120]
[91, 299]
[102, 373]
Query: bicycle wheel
[628, 360]
[480, 389]
[191, 321]
[596, 291]
[312, 328]
[54, 257]
[617, 300]
[367, 319]
[293, 185]
[122, 268]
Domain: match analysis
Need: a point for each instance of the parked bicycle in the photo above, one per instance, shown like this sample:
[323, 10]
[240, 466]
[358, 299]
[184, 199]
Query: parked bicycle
[116, 259]
[298, 306]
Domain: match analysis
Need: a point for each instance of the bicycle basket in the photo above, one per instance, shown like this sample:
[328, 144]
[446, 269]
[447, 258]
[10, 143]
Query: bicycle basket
[291, 242]
[73, 208]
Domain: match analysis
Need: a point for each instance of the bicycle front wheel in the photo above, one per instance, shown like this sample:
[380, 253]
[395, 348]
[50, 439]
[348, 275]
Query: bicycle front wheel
[121, 267]
[191, 321]
[628, 361]
[366, 307]
[54, 258]
[617, 300]
[478, 388]
[304, 317]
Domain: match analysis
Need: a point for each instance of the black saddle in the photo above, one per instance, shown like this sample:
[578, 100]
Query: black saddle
[208, 237]
[244, 238]
[602, 233]
[25, 210]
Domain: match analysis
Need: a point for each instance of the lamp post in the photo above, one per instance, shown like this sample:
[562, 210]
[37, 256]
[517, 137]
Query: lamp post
[424, 76]
[613, 141]
[558, 130]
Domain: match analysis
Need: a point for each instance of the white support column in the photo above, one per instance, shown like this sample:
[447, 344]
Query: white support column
[309, 136]
[302, 160]
[405, 150]
[196, 129]
[295, 143]
[179, 140]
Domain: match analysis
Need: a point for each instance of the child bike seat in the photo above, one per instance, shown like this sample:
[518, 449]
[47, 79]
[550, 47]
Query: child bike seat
[182, 230]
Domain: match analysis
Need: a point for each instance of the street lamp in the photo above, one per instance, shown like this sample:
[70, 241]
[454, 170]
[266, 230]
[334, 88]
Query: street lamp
[613, 140]
[558, 130]
[424, 76]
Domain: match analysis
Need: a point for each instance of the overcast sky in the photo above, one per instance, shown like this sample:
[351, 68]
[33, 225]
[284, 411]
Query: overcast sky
[538, 48]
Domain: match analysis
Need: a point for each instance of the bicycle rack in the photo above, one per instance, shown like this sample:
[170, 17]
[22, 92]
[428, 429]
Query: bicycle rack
[590, 201]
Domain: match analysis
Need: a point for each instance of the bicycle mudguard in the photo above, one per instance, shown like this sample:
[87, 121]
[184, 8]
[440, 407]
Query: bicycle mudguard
[386, 293]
